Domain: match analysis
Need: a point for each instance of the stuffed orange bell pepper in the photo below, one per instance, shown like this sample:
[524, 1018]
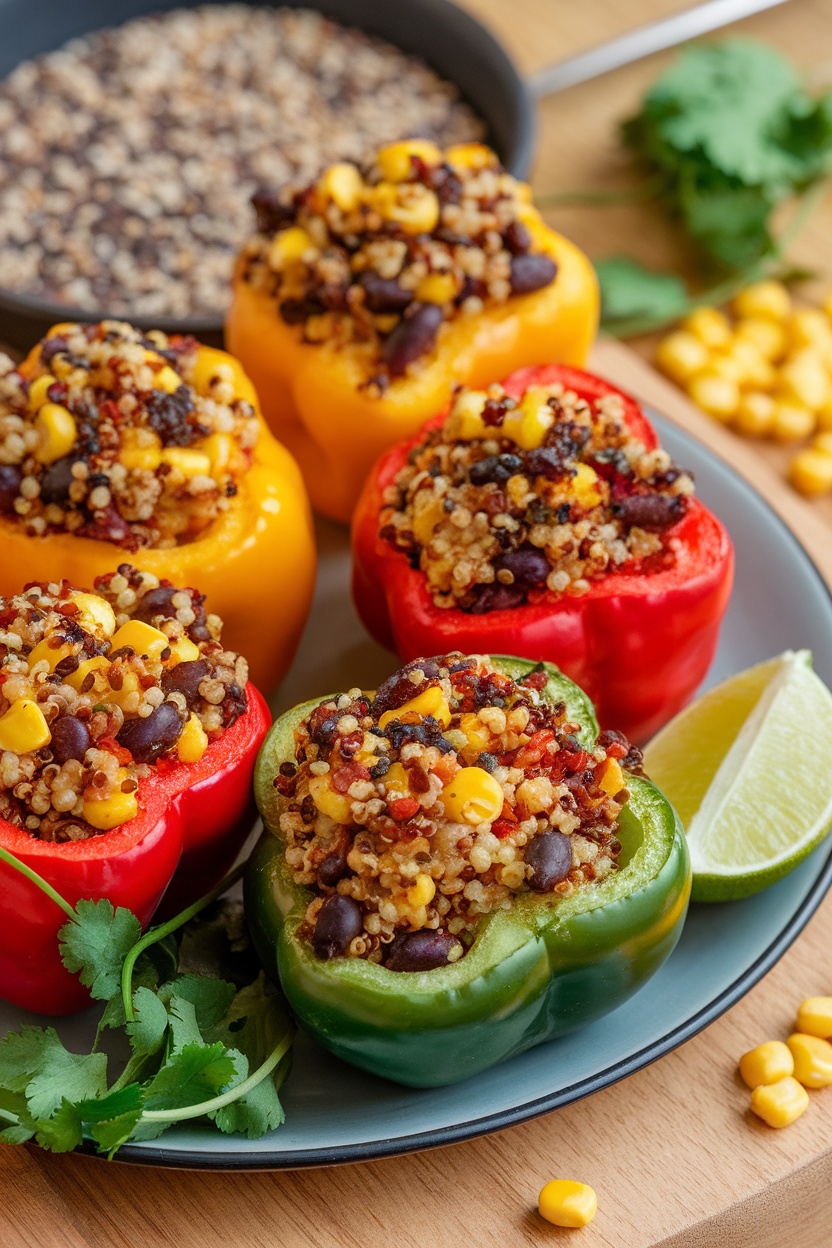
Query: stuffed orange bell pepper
[118, 445]
[366, 296]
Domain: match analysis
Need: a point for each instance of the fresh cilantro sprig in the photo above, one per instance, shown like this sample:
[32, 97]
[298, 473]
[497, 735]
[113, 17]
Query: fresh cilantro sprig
[200, 1047]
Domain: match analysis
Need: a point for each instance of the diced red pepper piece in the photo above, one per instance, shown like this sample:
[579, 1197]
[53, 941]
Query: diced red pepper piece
[402, 808]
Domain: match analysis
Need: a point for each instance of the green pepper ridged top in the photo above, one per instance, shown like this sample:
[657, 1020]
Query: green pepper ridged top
[438, 973]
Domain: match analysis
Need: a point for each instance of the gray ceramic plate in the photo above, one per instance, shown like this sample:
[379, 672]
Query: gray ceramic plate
[337, 1114]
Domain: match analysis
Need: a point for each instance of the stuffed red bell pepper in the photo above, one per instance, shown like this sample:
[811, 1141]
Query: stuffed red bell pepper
[128, 736]
[542, 518]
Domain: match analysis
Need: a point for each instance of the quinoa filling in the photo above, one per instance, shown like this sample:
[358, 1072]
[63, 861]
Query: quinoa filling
[454, 789]
[99, 688]
[511, 501]
[382, 256]
[121, 436]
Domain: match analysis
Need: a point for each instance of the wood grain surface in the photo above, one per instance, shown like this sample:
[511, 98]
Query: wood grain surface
[672, 1152]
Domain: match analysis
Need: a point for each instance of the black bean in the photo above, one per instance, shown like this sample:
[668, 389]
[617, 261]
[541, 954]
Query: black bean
[70, 739]
[185, 678]
[550, 857]
[495, 468]
[531, 272]
[52, 347]
[10, 478]
[654, 512]
[398, 688]
[413, 337]
[337, 924]
[517, 238]
[545, 461]
[496, 597]
[55, 482]
[156, 603]
[528, 565]
[383, 295]
[147, 738]
[334, 866]
[271, 212]
[172, 417]
[423, 951]
[488, 762]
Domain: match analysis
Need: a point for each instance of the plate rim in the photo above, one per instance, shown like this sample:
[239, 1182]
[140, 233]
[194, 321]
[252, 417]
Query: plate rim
[372, 1150]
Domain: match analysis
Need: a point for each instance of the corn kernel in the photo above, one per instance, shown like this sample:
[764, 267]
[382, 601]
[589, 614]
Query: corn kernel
[718, 396]
[289, 245]
[564, 1202]
[141, 458]
[780, 1104]
[766, 1064]
[397, 781]
[470, 156]
[437, 288]
[212, 363]
[809, 327]
[421, 891]
[611, 779]
[529, 422]
[97, 665]
[812, 1060]
[427, 518]
[182, 650]
[755, 414]
[167, 379]
[125, 695]
[52, 655]
[193, 740]
[143, 638]
[57, 433]
[792, 421]
[585, 486]
[431, 702]
[769, 337]
[466, 421]
[94, 614]
[343, 184]
[768, 300]
[710, 326]
[417, 211]
[220, 448]
[755, 370]
[810, 472]
[477, 735]
[823, 441]
[328, 802]
[23, 727]
[189, 462]
[37, 391]
[824, 416]
[804, 377]
[108, 812]
[681, 354]
[395, 161]
[814, 1017]
[472, 796]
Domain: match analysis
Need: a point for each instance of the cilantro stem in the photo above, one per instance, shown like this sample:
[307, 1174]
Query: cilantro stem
[41, 883]
[238, 1091]
[9, 1116]
[154, 934]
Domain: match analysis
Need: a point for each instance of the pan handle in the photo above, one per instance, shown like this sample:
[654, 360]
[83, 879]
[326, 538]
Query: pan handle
[666, 33]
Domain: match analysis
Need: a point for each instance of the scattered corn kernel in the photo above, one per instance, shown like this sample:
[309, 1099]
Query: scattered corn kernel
[141, 458]
[142, 638]
[37, 391]
[710, 326]
[768, 1063]
[220, 448]
[437, 288]
[193, 740]
[812, 1060]
[810, 472]
[564, 1202]
[190, 463]
[167, 379]
[344, 185]
[809, 327]
[397, 780]
[792, 421]
[611, 779]
[395, 162]
[466, 417]
[328, 802]
[681, 354]
[417, 211]
[431, 702]
[755, 369]
[755, 414]
[43, 652]
[721, 364]
[108, 812]
[814, 1017]
[477, 735]
[718, 396]
[421, 891]
[95, 614]
[182, 650]
[289, 245]
[769, 337]
[57, 432]
[23, 727]
[804, 377]
[769, 300]
[473, 796]
[780, 1104]
[529, 422]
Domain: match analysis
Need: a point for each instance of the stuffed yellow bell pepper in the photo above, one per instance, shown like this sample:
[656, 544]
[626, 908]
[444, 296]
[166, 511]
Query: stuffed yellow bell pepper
[365, 297]
[116, 446]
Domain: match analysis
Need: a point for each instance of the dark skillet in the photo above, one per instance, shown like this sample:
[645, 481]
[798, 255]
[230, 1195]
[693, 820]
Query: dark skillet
[450, 40]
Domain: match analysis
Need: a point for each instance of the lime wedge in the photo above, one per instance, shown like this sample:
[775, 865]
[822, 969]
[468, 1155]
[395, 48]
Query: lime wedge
[747, 767]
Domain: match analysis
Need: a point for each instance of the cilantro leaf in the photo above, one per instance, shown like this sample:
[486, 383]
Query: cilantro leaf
[95, 944]
[257, 1022]
[34, 1060]
[629, 290]
[195, 1074]
[147, 1030]
[63, 1131]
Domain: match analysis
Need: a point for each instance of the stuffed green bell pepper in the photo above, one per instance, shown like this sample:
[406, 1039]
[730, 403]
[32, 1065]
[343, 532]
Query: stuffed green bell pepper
[459, 867]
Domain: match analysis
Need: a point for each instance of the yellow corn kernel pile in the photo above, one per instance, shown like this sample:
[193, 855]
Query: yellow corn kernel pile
[779, 1073]
[765, 369]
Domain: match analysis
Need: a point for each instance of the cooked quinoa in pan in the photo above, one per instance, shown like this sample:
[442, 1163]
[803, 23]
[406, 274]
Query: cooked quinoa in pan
[511, 501]
[384, 255]
[121, 436]
[413, 812]
[98, 688]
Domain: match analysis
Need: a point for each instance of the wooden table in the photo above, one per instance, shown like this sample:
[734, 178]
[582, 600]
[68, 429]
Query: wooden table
[676, 1160]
